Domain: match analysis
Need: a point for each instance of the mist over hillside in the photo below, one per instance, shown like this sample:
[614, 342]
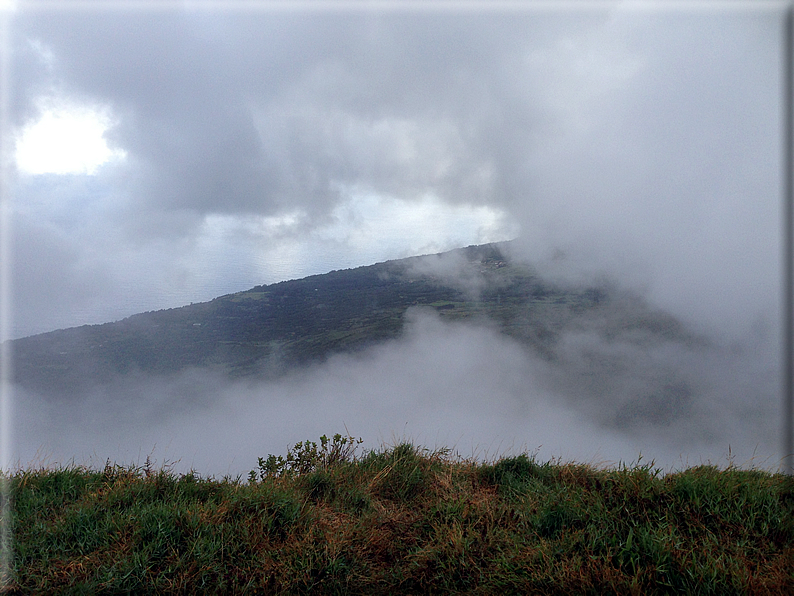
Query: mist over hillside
[473, 349]
[201, 152]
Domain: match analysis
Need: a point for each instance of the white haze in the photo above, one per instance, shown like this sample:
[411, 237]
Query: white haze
[462, 386]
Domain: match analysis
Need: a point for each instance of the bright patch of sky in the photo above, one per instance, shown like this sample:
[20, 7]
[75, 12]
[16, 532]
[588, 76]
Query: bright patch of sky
[238, 252]
[66, 139]
[368, 220]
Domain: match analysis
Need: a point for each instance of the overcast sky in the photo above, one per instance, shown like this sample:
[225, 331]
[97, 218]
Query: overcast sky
[162, 156]
[169, 156]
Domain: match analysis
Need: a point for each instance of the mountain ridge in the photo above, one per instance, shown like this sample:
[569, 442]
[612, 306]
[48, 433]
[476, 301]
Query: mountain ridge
[269, 329]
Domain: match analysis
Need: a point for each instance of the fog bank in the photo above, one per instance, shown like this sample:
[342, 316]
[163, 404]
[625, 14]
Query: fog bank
[461, 386]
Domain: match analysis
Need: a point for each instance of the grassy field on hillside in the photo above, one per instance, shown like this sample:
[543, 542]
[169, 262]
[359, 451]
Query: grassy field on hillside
[326, 519]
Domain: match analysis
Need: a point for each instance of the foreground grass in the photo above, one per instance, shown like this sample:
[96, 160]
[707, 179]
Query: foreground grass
[403, 520]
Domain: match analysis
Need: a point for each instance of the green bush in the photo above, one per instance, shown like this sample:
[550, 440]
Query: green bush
[307, 456]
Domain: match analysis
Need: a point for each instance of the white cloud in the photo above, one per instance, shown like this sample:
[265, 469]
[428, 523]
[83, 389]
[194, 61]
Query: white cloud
[66, 139]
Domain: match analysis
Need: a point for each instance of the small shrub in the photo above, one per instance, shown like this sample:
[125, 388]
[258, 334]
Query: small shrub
[307, 456]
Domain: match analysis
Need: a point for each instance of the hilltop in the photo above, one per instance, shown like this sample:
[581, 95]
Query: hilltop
[402, 520]
[269, 329]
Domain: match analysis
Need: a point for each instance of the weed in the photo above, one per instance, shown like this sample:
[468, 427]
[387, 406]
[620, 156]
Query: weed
[307, 456]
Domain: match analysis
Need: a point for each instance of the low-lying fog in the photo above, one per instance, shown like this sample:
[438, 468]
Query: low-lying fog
[462, 386]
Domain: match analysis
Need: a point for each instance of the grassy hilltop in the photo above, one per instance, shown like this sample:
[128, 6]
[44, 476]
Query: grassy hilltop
[402, 520]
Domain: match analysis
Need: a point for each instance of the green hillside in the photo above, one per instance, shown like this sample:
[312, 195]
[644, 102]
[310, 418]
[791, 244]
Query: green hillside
[268, 329]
